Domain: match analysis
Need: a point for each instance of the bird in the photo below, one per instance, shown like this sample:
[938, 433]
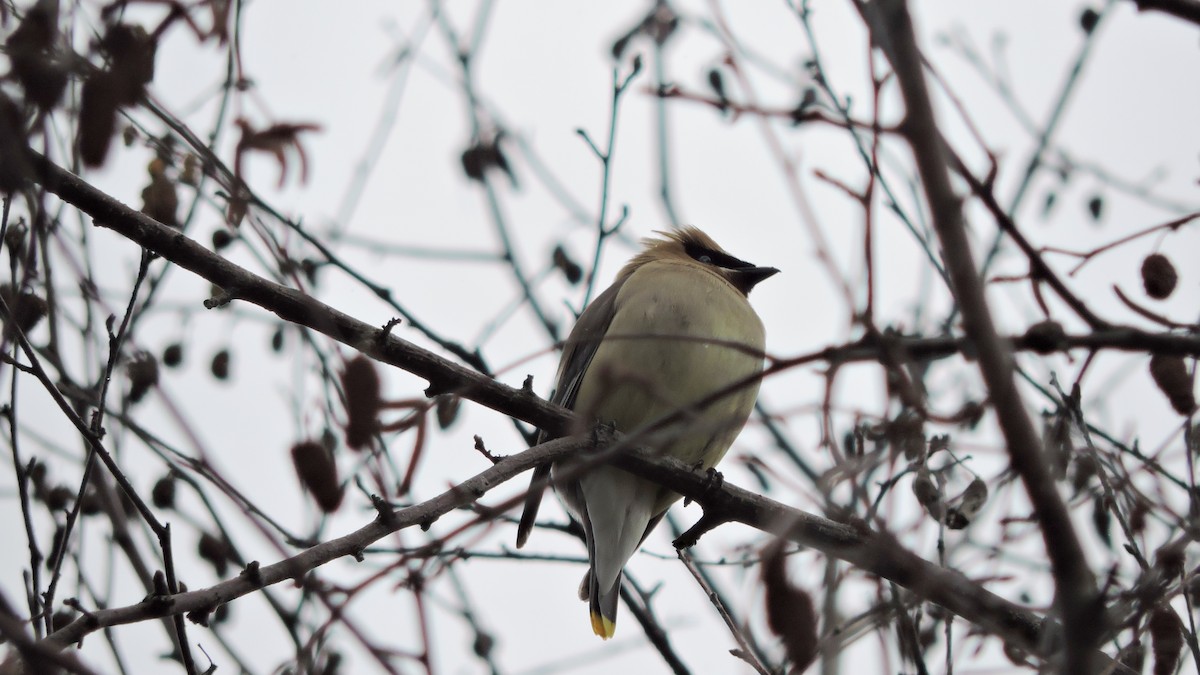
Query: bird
[674, 328]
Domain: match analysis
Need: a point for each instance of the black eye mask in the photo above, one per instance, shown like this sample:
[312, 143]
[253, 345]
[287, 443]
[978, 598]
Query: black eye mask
[708, 256]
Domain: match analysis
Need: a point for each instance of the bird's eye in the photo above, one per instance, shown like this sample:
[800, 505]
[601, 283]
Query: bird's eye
[707, 260]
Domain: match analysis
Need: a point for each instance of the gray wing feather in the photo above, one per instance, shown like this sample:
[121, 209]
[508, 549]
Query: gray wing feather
[577, 355]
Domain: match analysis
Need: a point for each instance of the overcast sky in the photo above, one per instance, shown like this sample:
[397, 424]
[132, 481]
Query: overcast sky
[545, 68]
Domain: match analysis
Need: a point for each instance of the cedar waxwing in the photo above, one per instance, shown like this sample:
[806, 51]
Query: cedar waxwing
[687, 298]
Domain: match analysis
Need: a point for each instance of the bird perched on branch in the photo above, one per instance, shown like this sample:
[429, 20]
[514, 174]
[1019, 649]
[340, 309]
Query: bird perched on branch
[674, 329]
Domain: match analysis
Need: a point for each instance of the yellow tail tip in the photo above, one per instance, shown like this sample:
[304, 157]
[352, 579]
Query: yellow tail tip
[603, 626]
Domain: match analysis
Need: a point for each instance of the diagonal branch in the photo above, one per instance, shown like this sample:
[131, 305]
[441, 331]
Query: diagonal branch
[891, 27]
[874, 552]
[292, 305]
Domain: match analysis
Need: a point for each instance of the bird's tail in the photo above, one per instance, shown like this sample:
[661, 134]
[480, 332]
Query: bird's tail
[603, 606]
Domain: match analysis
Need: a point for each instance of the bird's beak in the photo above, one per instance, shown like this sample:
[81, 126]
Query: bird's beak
[749, 277]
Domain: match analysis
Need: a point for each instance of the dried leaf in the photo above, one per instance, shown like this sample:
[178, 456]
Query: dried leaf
[570, 269]
[1171, 375]
[142, 371]
[973, 499]
[275, 140]
[927, 494]
[484, 155]
[25, 309]
[317, 471]
[1166, 640]
[216, 551]
[159, 199]
[448, 406]
[97, 117]
[790, 611]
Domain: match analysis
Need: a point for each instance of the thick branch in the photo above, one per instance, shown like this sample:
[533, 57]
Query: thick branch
[1188, 10]
[292, 305]
[891, 27]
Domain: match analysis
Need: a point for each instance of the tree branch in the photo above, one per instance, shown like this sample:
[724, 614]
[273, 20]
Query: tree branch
[874, 552]
[891, 27]
[1188, 10]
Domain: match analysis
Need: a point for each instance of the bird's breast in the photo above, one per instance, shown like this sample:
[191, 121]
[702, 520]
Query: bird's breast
[678, 337]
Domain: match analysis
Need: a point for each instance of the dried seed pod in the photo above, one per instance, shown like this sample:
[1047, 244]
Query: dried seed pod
[173, 355]
[1102, 521]
[220, 365]
[216, 551]
[906, 433]
[790, 611]
[1133, 656]
[1088, 20]
[59, 497]
[16, 168]
[143, 375]
[98, 103]
[14, 239]
[1137, 515]
[1046, 337]
[1166, 640]
[159, 199]
[163, 493]
[484, 155]
[25, 308]
[37, 475]
[93, 504]
[1170, 559]
[61, 618]
[317, 471]
[569, 268]
[1158, 276]
[56, 547]
[447, 409]
[361, 385]
[221, 238]
[191, 170]
[1171, 375]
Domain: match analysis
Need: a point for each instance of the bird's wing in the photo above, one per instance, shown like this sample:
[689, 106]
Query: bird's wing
[581, 346]
[577, 354]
